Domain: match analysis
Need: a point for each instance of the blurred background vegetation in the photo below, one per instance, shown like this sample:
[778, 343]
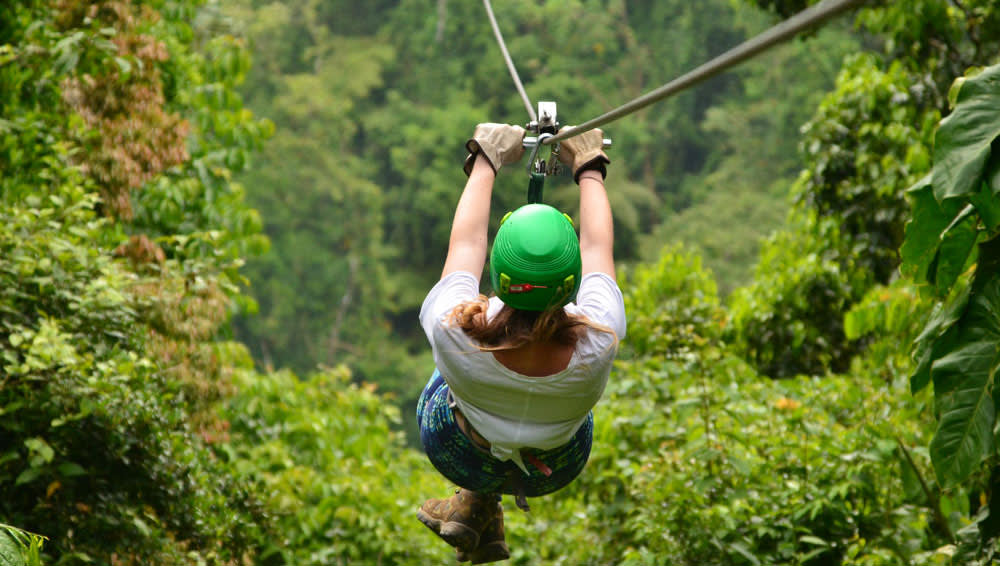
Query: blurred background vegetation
[218, 219]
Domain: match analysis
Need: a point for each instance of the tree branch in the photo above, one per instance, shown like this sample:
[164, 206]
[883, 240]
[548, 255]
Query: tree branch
[932, 496]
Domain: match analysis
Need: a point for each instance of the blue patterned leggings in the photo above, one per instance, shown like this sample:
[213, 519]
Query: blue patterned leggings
[468, 465]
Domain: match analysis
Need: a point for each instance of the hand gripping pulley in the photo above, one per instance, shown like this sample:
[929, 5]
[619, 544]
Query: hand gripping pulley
[546, 126]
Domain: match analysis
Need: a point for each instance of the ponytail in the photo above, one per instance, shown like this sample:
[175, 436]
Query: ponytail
[512, 328]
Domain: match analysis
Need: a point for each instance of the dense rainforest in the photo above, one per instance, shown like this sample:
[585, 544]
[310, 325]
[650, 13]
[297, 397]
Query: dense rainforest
[218, 219]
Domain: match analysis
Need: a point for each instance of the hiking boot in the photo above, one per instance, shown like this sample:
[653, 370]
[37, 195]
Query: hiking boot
[461, 518]
[492, 546]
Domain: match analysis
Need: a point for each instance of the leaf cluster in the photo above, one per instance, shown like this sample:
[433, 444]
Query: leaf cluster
[673, 307]
[106, 333]
[96, 443]
[951, 248]
[362, 175]
[19, 548]
[328, 460]
[700, 460]
[789, 320]
[868, 141]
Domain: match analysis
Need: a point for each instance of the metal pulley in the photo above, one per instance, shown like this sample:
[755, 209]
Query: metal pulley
[546, 122]
[546, 126]
[538, 169]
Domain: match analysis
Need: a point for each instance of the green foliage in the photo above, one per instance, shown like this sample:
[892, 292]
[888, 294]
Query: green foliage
[699, 460]
[884, 318]
[954, 208]
[869, 139]
[19, 548]
[826, 487]
[935, 227]
[95, 437]
[867, 142]
[362, 176]
[673, 307]
[132, 434]
[200, 196]
[936, 38]
[106, 334]
[790, 319]
[962, 144]
[323, 288]
[326, 456]
[963, 383]
[958, 198]
[732, 253]
[747, 182]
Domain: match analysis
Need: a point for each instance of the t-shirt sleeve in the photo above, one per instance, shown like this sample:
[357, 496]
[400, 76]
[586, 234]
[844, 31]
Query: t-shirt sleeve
[453, 289]
[600, 300]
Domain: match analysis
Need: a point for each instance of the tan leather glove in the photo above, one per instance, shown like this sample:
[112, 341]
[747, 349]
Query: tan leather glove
[584, 152]
[501, 144]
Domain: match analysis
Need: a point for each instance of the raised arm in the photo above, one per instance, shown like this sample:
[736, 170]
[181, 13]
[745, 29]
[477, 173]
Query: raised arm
[467, 246]
[597, 233]
[584, 154]
[491, 147]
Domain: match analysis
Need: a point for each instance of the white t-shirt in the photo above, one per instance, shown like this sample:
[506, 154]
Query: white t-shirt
[511, 410]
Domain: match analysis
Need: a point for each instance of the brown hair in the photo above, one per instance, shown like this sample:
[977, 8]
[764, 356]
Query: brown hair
[512, 328]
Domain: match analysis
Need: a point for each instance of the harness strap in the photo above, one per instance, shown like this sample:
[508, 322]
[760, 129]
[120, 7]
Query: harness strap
[538, 464]
[515, 479]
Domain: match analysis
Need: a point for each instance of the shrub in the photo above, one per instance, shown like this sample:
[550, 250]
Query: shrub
[327, 457]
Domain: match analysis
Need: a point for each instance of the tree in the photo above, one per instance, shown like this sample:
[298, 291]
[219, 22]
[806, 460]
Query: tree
[870, 140]
[118, 249]
[754, 138]
[370, 124]
[952, 249]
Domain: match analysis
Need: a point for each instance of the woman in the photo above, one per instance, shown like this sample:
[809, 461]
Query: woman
[509, 408]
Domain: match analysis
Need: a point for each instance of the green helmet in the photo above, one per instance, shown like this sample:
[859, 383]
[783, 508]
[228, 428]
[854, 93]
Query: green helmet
[535, 260]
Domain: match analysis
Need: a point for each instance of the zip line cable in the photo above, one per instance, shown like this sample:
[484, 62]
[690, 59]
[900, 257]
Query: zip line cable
[780, 32]
[510, 63]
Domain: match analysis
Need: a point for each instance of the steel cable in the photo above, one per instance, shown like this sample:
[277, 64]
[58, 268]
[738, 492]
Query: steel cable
[780, 32]
[510, 63]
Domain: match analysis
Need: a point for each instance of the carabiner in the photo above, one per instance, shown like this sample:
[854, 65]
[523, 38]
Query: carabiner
[535, 143]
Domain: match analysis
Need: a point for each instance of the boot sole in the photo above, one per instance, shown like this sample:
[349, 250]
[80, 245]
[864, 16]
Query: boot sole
[490, 552]
[455, 534]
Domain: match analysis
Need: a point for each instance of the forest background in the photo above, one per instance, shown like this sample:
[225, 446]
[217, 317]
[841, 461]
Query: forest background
[218, 220]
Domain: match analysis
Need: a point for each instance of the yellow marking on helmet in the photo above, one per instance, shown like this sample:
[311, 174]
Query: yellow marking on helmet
[568, 284]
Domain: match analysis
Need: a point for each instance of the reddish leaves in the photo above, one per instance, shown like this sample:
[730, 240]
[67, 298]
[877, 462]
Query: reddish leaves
[131, 137]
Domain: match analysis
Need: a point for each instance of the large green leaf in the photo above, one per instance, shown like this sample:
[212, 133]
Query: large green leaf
[928, 221]
[952, 256]
[938, 336]
[963, 383]
[922, 230]
[962, 143]
[11, 553]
